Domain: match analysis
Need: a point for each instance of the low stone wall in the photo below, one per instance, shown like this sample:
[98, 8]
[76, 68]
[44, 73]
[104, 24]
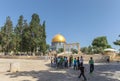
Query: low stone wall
[96, 58]
[117, 58]
[25, 57]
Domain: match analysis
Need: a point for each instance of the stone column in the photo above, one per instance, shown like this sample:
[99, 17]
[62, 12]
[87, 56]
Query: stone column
[78, 49]
[64, 48]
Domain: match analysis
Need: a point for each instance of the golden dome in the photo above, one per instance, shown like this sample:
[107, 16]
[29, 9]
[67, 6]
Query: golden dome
[59, 38]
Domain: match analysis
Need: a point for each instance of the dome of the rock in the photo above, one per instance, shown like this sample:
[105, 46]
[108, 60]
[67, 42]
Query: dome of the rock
[59, 38]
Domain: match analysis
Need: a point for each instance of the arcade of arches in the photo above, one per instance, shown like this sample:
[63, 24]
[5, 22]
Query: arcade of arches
[59, 41]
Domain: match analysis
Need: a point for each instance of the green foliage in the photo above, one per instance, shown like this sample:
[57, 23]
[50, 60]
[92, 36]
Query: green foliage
[60, 50]
[6, 36]
[38, 34]
[43, 40]
[24, 37]
[84, 50]
[74, 51]
[47, 47]
[99, 44]
[87, 50]
[19, 33]
[117, 42]
[34, 32]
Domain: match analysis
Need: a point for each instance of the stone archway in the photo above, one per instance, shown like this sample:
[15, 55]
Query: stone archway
[72, 45]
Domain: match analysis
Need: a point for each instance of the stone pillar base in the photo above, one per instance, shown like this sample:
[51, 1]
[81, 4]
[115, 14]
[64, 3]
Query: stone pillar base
[14, 67]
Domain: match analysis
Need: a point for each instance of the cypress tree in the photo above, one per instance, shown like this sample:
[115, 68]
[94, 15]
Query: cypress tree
[7, 31]
[19, 33]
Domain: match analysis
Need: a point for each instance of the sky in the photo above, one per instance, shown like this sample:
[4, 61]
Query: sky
[77, 20]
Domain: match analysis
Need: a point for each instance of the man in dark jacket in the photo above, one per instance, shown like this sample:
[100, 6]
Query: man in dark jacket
[82, 70]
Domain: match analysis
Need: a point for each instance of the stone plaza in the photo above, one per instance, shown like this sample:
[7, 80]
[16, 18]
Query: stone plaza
[40, 70]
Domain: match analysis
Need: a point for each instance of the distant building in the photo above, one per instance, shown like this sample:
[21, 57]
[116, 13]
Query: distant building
[110, 52]
[58, 42]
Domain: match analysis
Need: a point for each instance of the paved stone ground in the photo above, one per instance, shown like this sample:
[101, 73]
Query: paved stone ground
[40, 70]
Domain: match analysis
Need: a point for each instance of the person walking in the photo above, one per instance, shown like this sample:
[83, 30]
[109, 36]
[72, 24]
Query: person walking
[91, 62]
[82, 72]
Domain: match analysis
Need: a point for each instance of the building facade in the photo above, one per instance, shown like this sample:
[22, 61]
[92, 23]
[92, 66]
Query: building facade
[58, 42]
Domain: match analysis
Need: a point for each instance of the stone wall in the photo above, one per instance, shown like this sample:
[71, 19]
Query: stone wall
[96, 58]
[24, 57]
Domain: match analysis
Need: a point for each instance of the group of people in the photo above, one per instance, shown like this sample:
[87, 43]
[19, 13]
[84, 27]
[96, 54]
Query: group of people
[59, 62]
[77, 63]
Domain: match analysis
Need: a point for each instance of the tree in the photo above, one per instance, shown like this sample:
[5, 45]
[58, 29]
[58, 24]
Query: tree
[99, 44]
[117, 42]
[43, 40]
[84, 50]
[87, 50]
[74, 51]
[60, 50]
[34, 31]
[38, 34]
[47, 47]
[7, 36]
[90, 50]
[26, 35]
[19, 32]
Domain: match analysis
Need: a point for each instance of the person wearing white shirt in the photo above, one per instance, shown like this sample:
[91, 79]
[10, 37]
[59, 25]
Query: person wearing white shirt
[81, 60]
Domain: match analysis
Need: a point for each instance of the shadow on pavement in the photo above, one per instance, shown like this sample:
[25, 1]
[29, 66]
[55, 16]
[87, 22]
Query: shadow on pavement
[101, 73]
